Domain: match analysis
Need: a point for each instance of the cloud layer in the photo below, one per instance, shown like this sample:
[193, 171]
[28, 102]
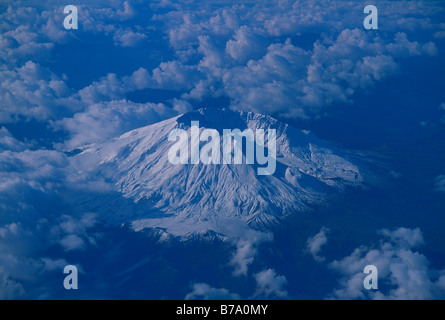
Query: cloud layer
[314, 244]
[403, 273]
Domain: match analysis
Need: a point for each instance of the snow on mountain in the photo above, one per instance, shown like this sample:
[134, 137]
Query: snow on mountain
[195, 198]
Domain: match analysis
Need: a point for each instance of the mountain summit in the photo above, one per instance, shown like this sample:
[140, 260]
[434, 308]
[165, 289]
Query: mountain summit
[187, 198]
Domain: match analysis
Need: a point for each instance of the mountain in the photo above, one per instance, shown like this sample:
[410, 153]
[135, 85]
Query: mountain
[183, 199]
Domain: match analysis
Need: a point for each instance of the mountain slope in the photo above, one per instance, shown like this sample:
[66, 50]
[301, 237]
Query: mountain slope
[183, 199]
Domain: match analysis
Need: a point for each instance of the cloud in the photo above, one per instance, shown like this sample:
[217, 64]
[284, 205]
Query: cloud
[21, 263]
[27, 33]
[105, 120]
[128, 38]
[8, 142]
[217, 55]
[10, 288]
[269, 285]
[39, 169]
[404, 237]
[403, 47]
[107, 88]
[439, 35]
[175, 75]
[293, 82]
[247, 244]
[288, 80]
[28, 38]
[181, 106]
[244, 256]
[245, 45]
[314, 244]
[74, 234]
[203, 291]
[440, 183]
[33, 92]
[72, 242]
[402, 272]
[30, 229]
[250, 54]
[105, 17]
[19, 274]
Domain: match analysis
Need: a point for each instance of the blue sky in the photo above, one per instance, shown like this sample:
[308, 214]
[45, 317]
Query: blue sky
[308, 63]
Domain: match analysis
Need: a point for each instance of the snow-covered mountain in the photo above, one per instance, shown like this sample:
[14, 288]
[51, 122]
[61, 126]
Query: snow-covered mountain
[183, 199]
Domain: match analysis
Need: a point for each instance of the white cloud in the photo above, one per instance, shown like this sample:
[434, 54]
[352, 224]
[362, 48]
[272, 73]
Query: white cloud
[29, 35]
[230, 51]
[185, 31]
[175, 75]
[403, 47]
[287, 80]
[270, 285]
[181, 106]
[245, 45]
[72, 242]
[129, 38]
[33, 92]
[8, 142]
[203, 291]
[404, 237]
[244, 256]
[20, 260]
[39, 170]
[246, 248]
[314, 244]
[402, 272]
[10, 288]
[294, 82]
[258, 72]
[140, 79]
[107, 88]
[29, 230]
[31, 30]
[105, 120]
[439, 35]
[440, 183]
[75, 233]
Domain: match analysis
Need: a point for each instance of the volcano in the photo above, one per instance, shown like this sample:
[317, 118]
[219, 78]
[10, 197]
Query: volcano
[183, 199]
